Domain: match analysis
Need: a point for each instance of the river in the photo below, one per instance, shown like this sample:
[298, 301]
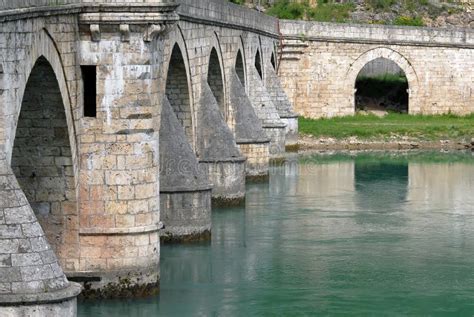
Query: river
[369, 234]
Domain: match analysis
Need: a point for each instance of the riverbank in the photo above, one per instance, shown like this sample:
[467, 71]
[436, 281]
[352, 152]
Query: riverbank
[389, 132]
[308, 143]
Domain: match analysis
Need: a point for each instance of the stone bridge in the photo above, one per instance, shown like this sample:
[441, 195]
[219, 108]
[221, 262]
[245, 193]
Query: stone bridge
[321, 61]
[122, 122]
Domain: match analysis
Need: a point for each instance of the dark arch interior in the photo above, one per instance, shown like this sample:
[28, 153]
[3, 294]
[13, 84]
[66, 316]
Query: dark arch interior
[273, 61]
[42, 159]
[381, 86]
[215, 80]
[258, 64]
[177, 91]
[239, 67]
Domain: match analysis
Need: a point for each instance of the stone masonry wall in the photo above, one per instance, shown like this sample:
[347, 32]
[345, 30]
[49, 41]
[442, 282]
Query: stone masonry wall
[41, 158]
[177, 91]
[321, 62]
[216, 82]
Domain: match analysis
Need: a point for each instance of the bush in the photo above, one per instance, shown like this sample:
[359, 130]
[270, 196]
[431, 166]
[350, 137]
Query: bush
[326, 11]
[406, 20]
[381, 4]
[330, 12]
[284, 9]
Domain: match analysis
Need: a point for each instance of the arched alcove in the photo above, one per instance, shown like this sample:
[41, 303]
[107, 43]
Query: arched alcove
[382, 52]
[258, 64]
[42, 157]
[177, 91]
[240, 68]
[381, 85]
[215, 80]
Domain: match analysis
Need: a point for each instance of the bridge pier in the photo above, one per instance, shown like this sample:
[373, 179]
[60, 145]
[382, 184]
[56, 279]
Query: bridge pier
[119, 177]
[32, 282]
[250, 136]
[283, 106]
[266, 111]
[218, 153]
[185, 193]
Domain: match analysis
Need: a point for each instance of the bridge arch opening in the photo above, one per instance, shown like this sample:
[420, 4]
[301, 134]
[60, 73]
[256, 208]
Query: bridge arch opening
[239, 67]
[177, 91]
[381, 86]
[258, 64]
[273, 60]
[42, 158]
[215, 80]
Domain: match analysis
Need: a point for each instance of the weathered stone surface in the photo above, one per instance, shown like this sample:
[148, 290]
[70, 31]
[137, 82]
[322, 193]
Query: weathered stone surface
[321, 61]
[185, 191]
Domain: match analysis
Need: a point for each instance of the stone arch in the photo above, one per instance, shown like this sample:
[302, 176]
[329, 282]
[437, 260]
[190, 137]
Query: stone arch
[43, 45]
[42, 158]
[178, 87]
[216, 75]
[240, 67]
[392, 55]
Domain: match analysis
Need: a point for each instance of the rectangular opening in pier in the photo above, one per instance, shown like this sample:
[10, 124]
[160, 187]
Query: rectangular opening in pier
[89, 78]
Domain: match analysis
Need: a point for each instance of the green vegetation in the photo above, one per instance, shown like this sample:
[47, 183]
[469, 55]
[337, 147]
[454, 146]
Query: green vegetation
[406, 20]
[397, 12]
[377, 86]
[326, 11]
[366, 127]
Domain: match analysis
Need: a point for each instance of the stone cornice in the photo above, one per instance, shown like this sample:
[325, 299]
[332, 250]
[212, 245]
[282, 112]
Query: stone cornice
[100, 13]
[128, 14]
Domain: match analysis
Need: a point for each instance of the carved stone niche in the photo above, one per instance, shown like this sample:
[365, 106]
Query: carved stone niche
[108, 19]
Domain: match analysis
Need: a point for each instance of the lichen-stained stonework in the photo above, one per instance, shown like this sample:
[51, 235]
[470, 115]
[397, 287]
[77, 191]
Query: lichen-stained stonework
[93, 177]
[321, 61]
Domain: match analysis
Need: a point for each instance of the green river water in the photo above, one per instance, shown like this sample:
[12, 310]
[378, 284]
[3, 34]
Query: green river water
[330, 235]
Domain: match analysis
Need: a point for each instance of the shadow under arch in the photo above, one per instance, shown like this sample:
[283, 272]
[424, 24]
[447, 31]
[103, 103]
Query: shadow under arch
[240, 63]
[216, 76]
[389, 54]
[240, 68]
[42, 159]
[179, 85]
[258, 63]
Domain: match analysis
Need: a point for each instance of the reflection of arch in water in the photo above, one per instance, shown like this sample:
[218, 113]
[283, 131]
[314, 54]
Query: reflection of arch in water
[380, 186]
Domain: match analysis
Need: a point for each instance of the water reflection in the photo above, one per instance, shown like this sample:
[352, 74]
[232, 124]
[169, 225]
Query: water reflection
[362, 235]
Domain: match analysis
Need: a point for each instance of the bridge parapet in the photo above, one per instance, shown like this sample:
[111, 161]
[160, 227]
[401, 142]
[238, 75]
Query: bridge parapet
[224, 13]
[373, 34]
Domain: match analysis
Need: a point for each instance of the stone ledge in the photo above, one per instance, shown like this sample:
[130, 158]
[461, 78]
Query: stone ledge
[239, 159]
[274, 126]
[72, 291]
[250, 141]
[180, 189]
[372, 41]
[136, 12]
[119, 231]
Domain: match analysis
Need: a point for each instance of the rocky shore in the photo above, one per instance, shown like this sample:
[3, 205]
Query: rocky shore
[309, 143]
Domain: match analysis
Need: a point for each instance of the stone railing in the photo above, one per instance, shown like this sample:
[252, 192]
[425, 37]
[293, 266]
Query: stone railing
[224, 13]
[383, 34]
